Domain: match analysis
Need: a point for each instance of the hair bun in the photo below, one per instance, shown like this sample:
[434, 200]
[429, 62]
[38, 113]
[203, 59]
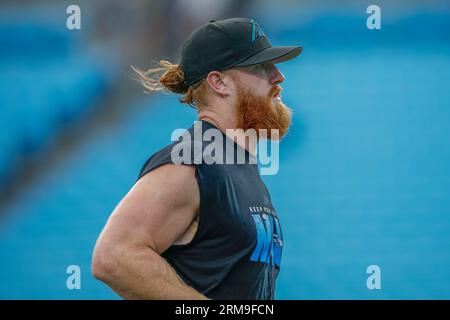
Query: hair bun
[173, 79]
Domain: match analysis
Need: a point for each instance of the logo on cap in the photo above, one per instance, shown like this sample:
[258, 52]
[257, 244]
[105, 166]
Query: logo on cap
[256, 30]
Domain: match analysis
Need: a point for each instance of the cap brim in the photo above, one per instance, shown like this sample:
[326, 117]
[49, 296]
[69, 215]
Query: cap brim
[273, 55]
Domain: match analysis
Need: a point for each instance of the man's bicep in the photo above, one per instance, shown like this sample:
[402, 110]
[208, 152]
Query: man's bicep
[158, 209]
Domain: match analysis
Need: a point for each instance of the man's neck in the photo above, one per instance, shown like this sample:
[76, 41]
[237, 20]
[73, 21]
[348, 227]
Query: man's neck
[223, 123]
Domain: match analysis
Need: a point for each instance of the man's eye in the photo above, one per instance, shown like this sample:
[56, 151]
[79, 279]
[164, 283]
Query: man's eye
[259, 68]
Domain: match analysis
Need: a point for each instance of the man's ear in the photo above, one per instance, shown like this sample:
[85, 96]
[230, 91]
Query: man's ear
[219, 83]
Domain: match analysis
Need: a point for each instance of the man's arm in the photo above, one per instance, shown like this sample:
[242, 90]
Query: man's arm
[149, 219]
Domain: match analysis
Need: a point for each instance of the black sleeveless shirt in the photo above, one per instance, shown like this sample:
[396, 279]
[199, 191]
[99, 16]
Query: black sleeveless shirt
[236, 250]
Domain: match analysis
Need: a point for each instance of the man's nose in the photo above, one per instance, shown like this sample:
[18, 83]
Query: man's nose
[276, 77]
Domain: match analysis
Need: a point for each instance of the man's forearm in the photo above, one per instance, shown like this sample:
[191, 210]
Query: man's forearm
[143, 274]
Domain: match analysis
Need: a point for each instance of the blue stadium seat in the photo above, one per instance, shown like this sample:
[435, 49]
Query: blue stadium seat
[43, 85]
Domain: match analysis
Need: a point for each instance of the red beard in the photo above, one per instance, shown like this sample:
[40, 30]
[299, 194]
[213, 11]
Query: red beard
[258, 112]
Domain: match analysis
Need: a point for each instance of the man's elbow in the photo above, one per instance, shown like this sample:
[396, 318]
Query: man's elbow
[105, 264]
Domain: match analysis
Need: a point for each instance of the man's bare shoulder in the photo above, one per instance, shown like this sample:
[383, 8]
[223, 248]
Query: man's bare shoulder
[158, 209]
[171, 182]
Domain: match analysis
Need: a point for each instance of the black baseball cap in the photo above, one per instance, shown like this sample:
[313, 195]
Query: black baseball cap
[223, 44]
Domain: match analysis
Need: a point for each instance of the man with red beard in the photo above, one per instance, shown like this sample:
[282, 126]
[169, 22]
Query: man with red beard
[200, 230]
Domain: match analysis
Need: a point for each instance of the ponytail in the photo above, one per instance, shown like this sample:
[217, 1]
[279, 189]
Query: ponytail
[171, 78]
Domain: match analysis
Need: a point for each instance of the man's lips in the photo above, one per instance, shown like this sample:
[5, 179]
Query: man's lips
[276, 92]
[277, 96]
